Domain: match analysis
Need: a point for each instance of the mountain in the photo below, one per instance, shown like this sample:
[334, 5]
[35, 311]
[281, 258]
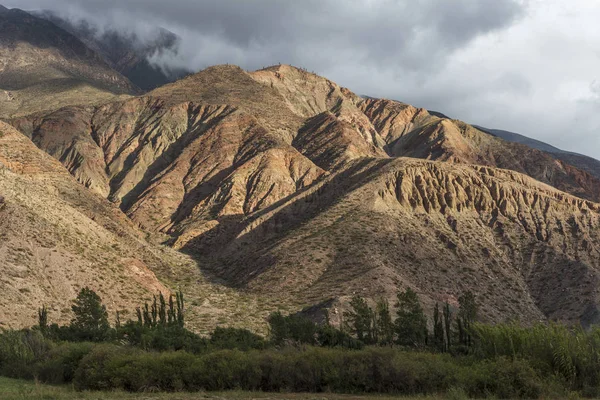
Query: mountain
[126, 52]
[585, 163]
[280, 184]
[43, 67]
[58, 237]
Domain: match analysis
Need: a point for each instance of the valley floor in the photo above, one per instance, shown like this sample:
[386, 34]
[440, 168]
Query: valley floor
[15, 389]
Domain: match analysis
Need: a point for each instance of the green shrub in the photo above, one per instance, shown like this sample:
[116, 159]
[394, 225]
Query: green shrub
[19, 350]
[232, 338]
[162, 338]
[59, 364]
[95, 372]
[374, 370]
[569, 353]
[225, 370]
[149, 372]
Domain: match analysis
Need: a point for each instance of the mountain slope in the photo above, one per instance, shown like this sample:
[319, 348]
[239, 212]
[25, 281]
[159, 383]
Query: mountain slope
[180, 153]
[585, 163]
[527, 250]
[412, 132]
[281, 184]
[43, 67]
[57, 237]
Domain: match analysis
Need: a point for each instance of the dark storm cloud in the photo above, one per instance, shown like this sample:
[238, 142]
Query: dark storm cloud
[313, 33]
[521, 65]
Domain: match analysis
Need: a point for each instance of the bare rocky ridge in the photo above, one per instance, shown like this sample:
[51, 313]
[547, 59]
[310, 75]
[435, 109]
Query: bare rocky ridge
[525, 249]
[579, 161]
[57, 237]
[281, 184]
[411, 132]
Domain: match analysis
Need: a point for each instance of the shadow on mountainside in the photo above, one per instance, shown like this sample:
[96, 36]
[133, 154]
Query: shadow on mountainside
[554, 281]
[215, 249]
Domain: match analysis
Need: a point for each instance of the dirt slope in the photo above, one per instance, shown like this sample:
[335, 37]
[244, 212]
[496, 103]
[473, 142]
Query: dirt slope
[57, 237]
[283, 185]
[527, 250]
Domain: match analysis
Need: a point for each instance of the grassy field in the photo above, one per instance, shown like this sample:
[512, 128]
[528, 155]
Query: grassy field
[14, 389]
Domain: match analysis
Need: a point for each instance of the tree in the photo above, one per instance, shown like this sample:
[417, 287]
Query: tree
[359, 320]
[180, 308]
[171, 312]
[296, 328]
[90, 321]
[384, 324]
[448, 325]
[467, 314]
[138, 313]
[43, 318]
[162, 311]
[147, 316]
[411, 324]
[438, 329]
[154, 312]
[118, 320]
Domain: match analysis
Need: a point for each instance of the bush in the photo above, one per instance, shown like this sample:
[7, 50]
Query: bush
[373, 370]
[328, 336]
[570, 353]
[150, 372]
[19, 350]
[295, 328]
[162, 338]
[95, 372]
[59, 364]
[232, 338]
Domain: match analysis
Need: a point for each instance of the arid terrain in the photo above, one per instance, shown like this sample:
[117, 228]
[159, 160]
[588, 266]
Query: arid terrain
[272, 189]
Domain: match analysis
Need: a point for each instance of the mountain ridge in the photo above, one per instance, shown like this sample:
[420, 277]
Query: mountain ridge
[281, 189]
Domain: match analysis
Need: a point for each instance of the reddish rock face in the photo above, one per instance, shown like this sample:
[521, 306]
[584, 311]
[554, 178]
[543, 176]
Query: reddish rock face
[283, 183]
[58, 237]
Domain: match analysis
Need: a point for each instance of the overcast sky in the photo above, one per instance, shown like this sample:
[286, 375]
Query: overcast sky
[528, 66]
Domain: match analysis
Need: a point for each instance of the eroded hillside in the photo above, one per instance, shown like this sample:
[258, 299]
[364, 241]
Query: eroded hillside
[57, 237]
[524, 248]
[283, 185]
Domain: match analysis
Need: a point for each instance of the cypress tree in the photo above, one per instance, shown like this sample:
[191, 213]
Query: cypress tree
[162, 310]
[438, 329]
[43, 318]
[147, 317]
[171, 313]
[448, 325]
[138, 312]
[384, 324]
[410, 323]
[180, 309]
[154, 312]
[466, 316]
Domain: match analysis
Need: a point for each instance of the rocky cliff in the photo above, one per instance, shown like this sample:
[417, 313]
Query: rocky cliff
[283, 185]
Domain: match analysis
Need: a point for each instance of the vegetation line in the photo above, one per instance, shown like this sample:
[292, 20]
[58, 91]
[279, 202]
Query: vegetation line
[370, 353]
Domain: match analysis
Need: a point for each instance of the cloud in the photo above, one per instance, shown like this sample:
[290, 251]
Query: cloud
[520, 65]
[313, 33]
